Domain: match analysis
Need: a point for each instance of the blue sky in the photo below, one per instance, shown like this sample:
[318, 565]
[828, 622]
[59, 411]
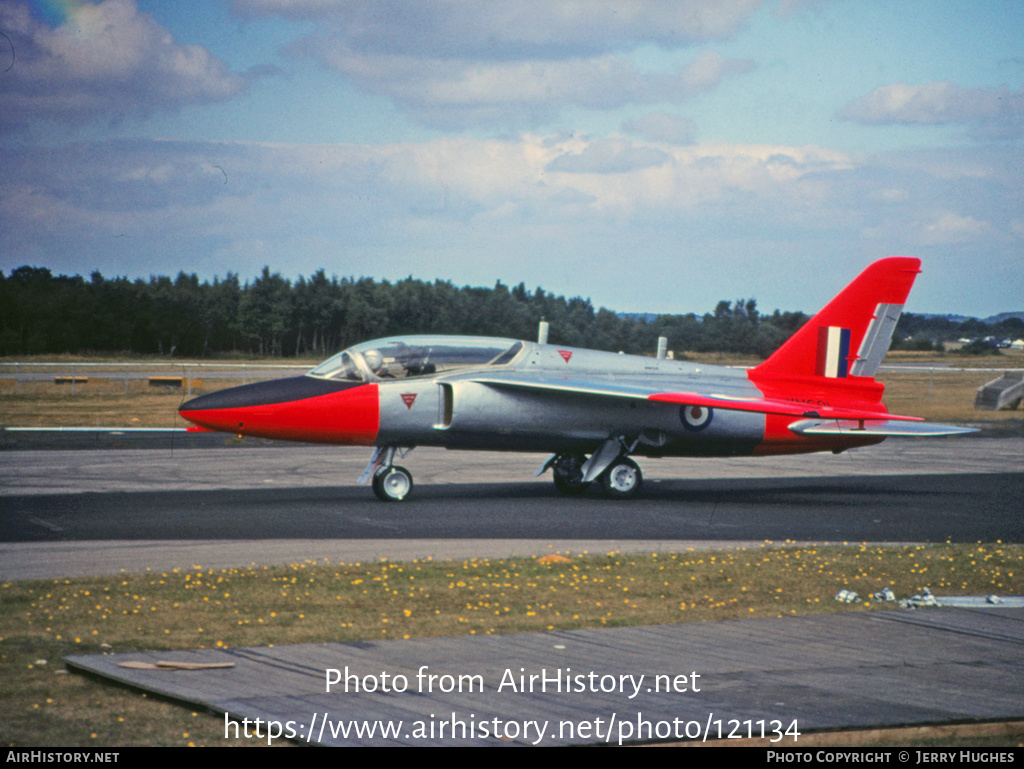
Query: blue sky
[652, 156]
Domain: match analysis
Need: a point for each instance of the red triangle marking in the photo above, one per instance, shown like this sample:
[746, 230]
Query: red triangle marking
[408, 399]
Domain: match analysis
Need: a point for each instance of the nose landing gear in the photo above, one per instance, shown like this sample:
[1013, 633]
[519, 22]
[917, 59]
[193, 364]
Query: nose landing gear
[392, 484]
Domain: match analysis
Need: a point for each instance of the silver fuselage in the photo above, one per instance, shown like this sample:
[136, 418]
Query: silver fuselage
[470, 409]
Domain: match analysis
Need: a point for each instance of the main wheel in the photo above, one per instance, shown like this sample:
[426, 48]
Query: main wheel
[392, 484]
[568, 474]
[622, 479]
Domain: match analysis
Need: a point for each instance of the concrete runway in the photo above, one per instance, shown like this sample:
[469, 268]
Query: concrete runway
[69, 513]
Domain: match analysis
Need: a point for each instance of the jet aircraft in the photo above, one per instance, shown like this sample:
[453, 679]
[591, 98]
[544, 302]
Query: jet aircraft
[592, 411]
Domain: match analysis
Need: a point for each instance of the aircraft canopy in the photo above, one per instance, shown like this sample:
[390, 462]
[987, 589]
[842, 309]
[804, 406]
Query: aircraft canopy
[411, 356]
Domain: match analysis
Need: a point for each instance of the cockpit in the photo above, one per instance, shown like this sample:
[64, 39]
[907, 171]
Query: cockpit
[413, 356]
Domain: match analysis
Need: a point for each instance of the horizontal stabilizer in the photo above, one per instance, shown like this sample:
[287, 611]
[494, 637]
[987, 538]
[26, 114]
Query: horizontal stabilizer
[874, 427]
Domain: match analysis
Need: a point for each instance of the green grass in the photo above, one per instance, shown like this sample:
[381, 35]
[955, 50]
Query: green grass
[41, 621]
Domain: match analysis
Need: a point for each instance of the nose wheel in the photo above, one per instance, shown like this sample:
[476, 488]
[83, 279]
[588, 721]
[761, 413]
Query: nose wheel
[392, 484]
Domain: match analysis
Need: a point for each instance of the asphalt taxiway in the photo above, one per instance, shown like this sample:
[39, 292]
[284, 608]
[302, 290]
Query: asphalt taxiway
[68, 513]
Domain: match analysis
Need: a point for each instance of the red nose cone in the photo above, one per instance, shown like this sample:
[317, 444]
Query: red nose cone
[299, 409]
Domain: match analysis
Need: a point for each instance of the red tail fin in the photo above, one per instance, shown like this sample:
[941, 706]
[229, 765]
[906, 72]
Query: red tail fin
[842, 346]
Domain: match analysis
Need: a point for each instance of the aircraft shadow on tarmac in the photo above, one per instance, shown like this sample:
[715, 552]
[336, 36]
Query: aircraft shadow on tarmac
[914, 508]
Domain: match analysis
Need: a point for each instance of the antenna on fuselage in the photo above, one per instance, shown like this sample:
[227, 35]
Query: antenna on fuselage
[542, 332]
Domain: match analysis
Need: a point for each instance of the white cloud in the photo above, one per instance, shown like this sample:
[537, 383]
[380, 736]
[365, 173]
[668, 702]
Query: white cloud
[455, 93]
[106, 60]
[498, 28]
[948, 227]
[608, 156]
[556, 211]
[929, 229]
[991, 111]
[662, 127]
[451, 64]
[890, 195]
[222, 190]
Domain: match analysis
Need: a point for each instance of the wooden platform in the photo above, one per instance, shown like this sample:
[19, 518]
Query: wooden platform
[863, 669]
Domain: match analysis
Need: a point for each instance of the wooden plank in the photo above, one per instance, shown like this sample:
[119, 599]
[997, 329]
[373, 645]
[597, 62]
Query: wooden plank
[866, 669]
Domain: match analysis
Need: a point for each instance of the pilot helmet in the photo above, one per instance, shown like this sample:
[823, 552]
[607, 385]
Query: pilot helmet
[374, 360]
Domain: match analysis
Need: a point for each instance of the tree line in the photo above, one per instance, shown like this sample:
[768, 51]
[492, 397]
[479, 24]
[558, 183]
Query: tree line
[273, 316]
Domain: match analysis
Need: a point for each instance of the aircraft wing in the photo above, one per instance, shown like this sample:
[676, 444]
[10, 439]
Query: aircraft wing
[600, 388]
[642, 391]
[776, 406]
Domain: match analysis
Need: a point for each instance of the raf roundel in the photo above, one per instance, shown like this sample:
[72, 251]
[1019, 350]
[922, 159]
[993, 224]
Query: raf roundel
[695, 418]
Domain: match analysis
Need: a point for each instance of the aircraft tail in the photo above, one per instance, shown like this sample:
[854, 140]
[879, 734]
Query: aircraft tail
[841, 348]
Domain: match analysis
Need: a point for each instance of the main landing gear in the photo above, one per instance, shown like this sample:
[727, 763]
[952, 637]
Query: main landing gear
[619, 476]
[622, 479]
[567, 470]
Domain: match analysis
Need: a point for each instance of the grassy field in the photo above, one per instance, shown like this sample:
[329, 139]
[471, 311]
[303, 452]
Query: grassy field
[98, 403]
[40, 621]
